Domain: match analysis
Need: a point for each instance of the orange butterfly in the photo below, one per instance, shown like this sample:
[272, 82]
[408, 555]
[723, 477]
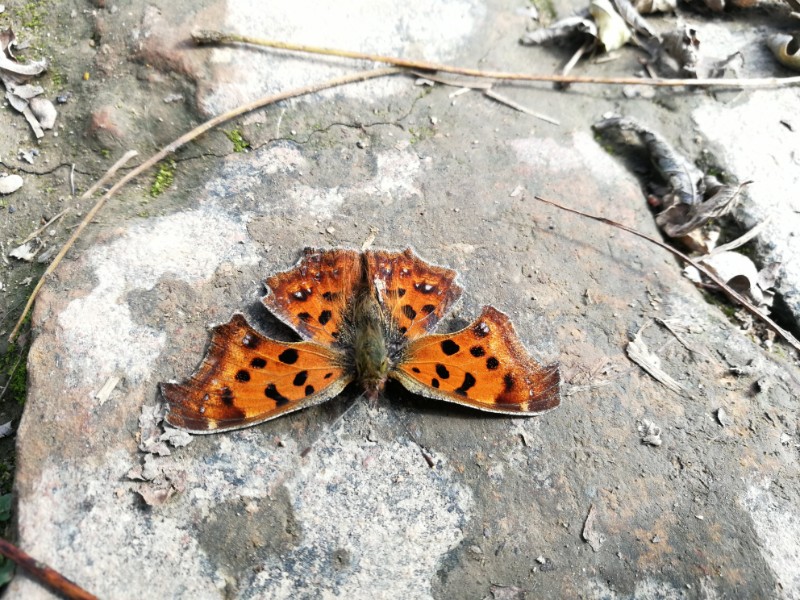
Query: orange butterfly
[364, 317]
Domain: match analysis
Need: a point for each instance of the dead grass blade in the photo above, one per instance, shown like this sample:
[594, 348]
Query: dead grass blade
[181, 141]
[218, 37]
[752, 309]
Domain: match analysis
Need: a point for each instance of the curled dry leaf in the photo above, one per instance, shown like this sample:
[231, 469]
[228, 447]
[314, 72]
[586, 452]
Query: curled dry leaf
[612, 31]
[786, 49]
[683, 46]
[26, 251]
[681, 219]
[740, 273]
[678, 172]
[15, 76]
[632, 17]
[569, 28]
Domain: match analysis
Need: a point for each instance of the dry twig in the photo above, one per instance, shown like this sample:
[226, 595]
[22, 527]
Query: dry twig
[43, 574]
[181, 141]
[218, 37]
[752, 309]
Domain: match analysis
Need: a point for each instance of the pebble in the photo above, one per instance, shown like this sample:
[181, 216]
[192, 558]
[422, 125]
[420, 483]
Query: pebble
[10, 184]
[44, 111]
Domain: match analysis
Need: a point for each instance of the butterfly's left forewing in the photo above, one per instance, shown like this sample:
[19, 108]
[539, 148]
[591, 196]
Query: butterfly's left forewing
[247, 378]
[484, 366]
[414, 293]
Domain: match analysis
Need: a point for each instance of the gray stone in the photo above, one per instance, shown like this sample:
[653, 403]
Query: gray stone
[410, 498]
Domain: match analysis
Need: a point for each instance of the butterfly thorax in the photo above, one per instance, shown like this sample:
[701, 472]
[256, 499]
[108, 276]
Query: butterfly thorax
[370, 349]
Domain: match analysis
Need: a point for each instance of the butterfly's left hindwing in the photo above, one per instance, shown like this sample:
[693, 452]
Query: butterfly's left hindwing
[247, 378]
[484, 366]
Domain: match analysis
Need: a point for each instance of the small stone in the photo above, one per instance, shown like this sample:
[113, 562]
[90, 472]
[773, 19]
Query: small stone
[330, 230]
[10, 184]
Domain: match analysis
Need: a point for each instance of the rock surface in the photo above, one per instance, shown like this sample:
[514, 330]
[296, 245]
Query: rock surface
[409, 498]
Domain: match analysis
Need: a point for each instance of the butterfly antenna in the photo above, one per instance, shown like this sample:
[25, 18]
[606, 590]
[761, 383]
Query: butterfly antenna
[423, 450]
[330, 427]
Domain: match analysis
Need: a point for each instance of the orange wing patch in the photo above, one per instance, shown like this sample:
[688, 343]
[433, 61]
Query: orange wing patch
[247, 378]
[416, 294]
[484, 366]
[312, 296]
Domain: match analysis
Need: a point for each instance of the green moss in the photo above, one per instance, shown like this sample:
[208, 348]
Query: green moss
[239, 143]
[547, 10]
[14, 373]
[164, 178]
[105, 152]
[32, 14]
[417, 135]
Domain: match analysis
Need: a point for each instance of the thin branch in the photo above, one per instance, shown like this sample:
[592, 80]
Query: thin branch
[109, 174]
[181, 141]
[218, 37]
[43, 574]
[490, 93]
[45, 226]
[753, 310]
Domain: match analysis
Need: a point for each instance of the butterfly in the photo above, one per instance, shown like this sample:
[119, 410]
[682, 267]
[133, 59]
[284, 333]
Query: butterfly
[365, 318]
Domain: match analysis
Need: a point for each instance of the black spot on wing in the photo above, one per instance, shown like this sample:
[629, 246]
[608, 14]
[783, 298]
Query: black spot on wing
[508, 382]
[415, 369]
[492, 363]
[400, 292]
[409, 312]
[309, 390]
[442, 371]
[428, 309]
[304, 317]
[330, 296]
[288, 356]
[328, 375]
[226, 395]
[300, 378]
[449, 347]
[324, 317]
[242, 375]
[272, 393]
[481, 330]
[425, 288]
[250, 341]
[469, 381]
[477, 351]
[258, 363]
[434, 382]
[301, 294]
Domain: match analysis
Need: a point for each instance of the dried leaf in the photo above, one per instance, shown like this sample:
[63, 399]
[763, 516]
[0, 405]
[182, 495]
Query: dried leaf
[679, 173]
[786, 49]
[632, 17]
[650, 432]
[740, 273]
[680, 219]
[569, 28]
[589, 534]
[26, 251]
[639, 353]
[683, 46]
[612, 31]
